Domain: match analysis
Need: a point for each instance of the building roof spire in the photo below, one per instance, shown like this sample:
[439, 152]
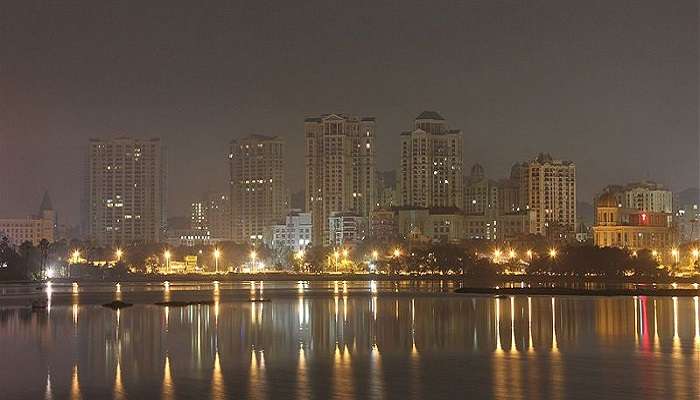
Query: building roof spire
[46, 203]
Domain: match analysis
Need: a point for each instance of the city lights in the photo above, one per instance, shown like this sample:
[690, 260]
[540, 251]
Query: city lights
[397, 253]
[119, 253]
[552, 253]
[217, 255]
[497, 253]
[511, 254]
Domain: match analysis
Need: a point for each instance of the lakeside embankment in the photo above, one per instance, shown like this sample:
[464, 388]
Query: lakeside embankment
[554, 291]
[490, 281]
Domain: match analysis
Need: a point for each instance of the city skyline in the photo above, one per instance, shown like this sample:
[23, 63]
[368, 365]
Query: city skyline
[612, 94]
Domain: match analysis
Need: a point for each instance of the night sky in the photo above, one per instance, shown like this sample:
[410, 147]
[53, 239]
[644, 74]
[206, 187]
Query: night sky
[612, 85]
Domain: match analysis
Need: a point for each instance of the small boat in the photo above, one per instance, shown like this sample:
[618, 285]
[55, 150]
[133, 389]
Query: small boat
[259, 300]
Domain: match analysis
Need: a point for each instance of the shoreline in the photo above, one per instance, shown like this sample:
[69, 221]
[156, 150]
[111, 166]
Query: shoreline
[552, 291]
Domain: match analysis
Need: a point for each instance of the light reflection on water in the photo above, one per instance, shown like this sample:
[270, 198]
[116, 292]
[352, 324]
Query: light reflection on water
[354, 340]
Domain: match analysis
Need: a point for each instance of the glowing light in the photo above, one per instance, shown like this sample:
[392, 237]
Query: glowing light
[553, 253]
[497, 253]
[695, 253]
[654, 253]
[119, 287]
[375, 255]
[166, 284]
[119, 253]
[511, 253]
[345, 253]
[529, 254]
[74, 287]
[75, 256]
[299, 255]
[397, 253]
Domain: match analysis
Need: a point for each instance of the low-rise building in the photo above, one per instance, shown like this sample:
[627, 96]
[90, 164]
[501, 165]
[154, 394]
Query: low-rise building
[295, 234]
[618, 226]
[382, 225]
[344, 228]
[431, 225]
[31, 229]
[502, 227]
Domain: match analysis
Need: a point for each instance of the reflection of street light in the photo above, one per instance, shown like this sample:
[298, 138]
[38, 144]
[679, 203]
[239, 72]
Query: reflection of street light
[166, 254]
[217, 254]
[553, 253]
[119, 253]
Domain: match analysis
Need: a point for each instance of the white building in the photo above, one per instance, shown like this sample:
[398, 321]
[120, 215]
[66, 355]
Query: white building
[295, 234]
[346, 228]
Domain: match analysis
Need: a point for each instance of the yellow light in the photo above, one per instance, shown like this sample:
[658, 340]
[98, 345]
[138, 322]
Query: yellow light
[397, 253]
[497, 253]
[529, 254]
[511, 253]
[375, 254]
[553, 253]
[654, 253]
[695, 253]
[119, 253]
[253, 255]
[336, 254]
[217, 253]
[674, 252]
[75, 256]
[345, 253]
[166, 254]
[299, 255]
[634, 253]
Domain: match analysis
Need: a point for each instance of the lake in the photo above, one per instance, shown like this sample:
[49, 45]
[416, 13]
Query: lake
[336, 340]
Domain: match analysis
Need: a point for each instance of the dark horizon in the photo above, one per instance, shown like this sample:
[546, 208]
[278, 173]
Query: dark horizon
[613, 87]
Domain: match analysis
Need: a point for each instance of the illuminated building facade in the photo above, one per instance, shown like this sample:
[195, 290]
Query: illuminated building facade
[618, 226]
[126, 191]
[31, 229]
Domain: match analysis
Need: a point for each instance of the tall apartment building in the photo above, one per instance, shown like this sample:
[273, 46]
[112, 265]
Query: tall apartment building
[431, 169]
[480, 193]
[258, 189]
[126, 191]
[212, 213]
[340, 169]
[548, 187]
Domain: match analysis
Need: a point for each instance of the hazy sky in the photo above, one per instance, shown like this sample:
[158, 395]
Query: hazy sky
[612, 85]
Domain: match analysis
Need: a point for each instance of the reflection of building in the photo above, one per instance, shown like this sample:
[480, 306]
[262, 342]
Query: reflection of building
[617, 226]
[431, 169]
[295, 234]
[340, 175]
[346, 228]
[258, 190]
[30, 229]
[431, 225]
[126, 191]
[548, 187]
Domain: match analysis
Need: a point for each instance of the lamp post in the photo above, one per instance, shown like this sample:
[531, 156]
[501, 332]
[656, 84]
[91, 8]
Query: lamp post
[552, 253]
[217, 254]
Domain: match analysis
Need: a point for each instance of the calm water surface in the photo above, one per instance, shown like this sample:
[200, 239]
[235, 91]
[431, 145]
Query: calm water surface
[325, 340]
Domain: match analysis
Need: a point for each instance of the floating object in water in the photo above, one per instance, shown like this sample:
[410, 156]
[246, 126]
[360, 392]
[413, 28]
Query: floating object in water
[116, 305]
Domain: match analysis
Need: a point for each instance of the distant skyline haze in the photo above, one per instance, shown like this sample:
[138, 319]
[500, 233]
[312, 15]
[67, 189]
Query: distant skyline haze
[612, 86]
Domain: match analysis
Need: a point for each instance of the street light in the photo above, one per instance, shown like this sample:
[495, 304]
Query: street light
[511, 254]
[397, 253]
[676, 254]
[553, 253]
[497, 253]
[75, 256]
[217, 254]
[119, 253]
[695, 253]
[375, 255]
[529, 254]
[166, 254]
[253, 256]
